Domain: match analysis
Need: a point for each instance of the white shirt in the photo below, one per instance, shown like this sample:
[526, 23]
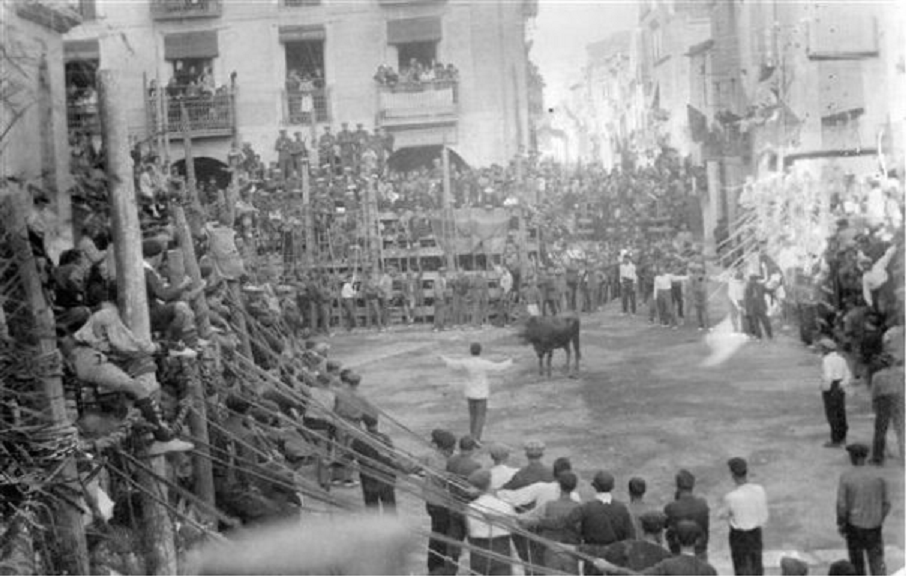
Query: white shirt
[662, 282]
[476, 386]
[604, 497]
[475, 518]
[747, 506]
[539, 494]
[347, 291]
[627, 271]
[834, 367]
[501, 474]
[506, 282]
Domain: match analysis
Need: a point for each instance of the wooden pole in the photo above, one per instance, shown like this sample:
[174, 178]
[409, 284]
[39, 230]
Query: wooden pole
[449, 235]
[69, 537]
[133, 301]
[245, 344]
[196, 213]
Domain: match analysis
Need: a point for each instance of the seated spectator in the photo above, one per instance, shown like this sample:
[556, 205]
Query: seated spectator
[170, 312]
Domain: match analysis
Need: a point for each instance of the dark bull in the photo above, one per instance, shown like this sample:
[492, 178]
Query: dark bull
[549, 333]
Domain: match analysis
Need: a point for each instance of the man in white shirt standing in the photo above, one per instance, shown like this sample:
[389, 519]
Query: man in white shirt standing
[746, 509]
[835, 376]
[501, 472]
[347, 298]
[485, 532]
[628, 281]
[477, 388]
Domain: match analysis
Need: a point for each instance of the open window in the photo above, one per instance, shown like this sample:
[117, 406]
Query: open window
[305, 83]
[425, 53]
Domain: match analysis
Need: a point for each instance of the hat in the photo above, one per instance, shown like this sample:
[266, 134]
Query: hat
[370, 420]
[151, 248]
[467, 443]
[793, 566]
[603, 481]
[443, 439]
[534, 448]
[498, 452]
[858, 450]
[480, 479]
[738, 466]
[685, 480]
[333, 366]
[653, 522]
[827, 344]
[352, 378]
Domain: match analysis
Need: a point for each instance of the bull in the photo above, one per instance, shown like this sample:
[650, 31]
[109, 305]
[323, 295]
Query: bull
[549, 333]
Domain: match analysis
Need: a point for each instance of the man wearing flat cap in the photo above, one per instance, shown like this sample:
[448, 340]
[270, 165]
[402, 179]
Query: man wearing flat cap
[746, 509]
[687, 506]
[501, 472]
[483, 518]
[835, 376]
[863, 502]
[377, 469]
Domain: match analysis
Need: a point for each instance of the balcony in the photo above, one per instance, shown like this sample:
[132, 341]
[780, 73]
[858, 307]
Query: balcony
[423, 103]
[306, 107]
[180, 9]
[208, 115]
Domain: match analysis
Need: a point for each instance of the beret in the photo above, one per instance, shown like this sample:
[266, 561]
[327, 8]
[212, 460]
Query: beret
[333, 365]
[534, 448]
[467, 443]
[351, 377]
[443, 438]
[738, 466]
[858, 449]
[793, 566]
[603, 481]
[685, 480]
[498, 451]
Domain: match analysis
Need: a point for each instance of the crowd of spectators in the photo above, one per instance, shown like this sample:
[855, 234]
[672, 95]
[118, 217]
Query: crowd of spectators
[417, 75]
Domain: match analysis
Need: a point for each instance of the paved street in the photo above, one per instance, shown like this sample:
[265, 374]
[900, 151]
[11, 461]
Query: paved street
[643, 406]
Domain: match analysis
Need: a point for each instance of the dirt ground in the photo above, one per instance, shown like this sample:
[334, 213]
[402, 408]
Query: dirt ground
[644, 406]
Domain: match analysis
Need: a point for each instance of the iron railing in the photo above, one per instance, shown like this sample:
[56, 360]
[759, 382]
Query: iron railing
[207, 114]
[304, 107]
[406, 100]
[175, 9]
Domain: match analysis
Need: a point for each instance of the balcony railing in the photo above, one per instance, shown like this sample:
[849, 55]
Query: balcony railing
[305, 107]
[208, 115]
[419, 102]
[176, 9]
[83, 118]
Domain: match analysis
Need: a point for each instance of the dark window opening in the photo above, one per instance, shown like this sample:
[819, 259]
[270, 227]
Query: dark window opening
[425, 53]
[188, 71]
[306, 58]
[81, 95]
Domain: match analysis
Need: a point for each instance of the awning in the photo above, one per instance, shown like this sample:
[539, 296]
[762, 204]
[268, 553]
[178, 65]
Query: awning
[302, 33]
[191, 45]
[426, 29]
[81, 50]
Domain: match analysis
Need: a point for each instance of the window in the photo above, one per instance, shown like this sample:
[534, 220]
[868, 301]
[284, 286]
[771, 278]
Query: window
[81, 95]
[425, 53]
[306, 58]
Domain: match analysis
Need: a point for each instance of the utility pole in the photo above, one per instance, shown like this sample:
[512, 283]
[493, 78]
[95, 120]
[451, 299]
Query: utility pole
[69, 538]
[133, 301]
[196, 213]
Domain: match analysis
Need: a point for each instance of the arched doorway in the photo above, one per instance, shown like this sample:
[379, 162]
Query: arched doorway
[408, 159]
[206, 169]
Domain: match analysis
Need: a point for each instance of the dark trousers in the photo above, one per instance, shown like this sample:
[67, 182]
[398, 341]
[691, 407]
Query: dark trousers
[349, 312]
[888, 408]
[745, 549]
[757, 320]
[701, 314]
[478, 412]
[482, 564]
[571, 291]
[676, 294]
[529, 551]
[862, 542]
[380, 496]
[835, 411]
[438, 562]
[627, 293]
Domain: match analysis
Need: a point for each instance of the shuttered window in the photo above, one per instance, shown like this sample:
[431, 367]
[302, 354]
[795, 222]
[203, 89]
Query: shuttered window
[191, 45]
[410, 30]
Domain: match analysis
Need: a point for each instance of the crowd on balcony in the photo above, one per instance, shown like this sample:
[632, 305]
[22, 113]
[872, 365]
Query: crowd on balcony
[207, 104]
[417, 75]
